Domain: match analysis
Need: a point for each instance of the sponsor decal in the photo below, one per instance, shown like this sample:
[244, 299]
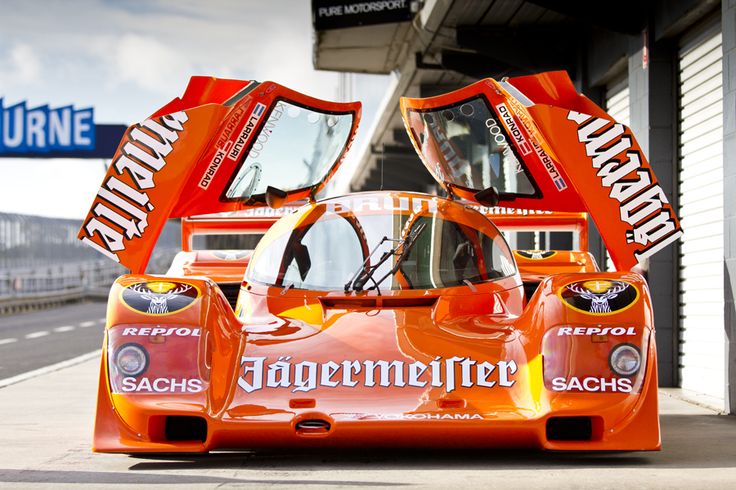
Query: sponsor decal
[265, 134]
[359, 203]
[513, 129]
[255, 374]
[509, 211]
[550, 167]
[599, 296]
[159, 297]
[414, 416]
[161, 385]
[262, 212]
[521, 113]
[204, 182]
[246, 132]
[614, 331]
[230, 254]
[643, 204]
[121, 210]
[535, 254]
[592, 385]
[499, 138]
[232, 124]
[163, 331]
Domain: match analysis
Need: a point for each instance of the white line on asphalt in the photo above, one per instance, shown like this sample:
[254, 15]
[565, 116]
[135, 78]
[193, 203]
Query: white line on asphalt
[65, 328]
[36, 335]
[49, 369]
[101, 320]
[7, 341]
[86, 324]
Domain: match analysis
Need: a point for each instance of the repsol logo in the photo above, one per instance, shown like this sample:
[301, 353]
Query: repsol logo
[120, 212]
[155, 331]
[643, 204]
[614, 331]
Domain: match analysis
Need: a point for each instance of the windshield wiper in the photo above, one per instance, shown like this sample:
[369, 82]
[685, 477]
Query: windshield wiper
[365, 272]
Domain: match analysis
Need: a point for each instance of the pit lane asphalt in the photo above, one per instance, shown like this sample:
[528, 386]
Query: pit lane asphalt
[33, 340]
[46, 429]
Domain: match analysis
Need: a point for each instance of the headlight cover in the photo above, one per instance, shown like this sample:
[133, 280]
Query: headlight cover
[625, 359]
[157, 359]
[131, 359]
[595, 358]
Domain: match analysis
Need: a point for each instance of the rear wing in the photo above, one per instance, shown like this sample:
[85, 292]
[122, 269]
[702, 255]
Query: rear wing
[250, 221]
[532, 220]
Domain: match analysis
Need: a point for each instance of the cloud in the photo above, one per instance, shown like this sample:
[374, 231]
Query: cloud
[148, 63]
[20, 66]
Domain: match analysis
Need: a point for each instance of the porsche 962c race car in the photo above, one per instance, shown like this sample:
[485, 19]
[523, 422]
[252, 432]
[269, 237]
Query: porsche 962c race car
[382, 318]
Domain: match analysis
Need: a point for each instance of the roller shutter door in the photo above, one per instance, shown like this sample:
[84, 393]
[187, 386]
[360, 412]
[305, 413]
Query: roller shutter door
[702, 337]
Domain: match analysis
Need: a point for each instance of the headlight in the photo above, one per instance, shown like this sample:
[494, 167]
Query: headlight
[131, 360]
[625, 359]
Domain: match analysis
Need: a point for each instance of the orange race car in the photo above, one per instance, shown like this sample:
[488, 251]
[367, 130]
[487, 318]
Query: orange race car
[382, 318]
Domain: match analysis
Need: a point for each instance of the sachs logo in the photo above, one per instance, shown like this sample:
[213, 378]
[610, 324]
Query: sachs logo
[159, 297]
[535, 254]
[599, 296]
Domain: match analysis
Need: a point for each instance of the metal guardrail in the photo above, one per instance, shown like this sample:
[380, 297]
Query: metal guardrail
[35, 242]
[41, 287]
[43, 264]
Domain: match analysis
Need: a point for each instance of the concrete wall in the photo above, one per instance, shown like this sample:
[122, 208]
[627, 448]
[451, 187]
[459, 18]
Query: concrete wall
[654, 122]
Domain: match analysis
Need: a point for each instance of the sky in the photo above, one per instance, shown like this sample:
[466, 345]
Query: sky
[128, 58]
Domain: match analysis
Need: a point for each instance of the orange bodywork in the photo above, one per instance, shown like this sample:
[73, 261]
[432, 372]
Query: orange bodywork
[521, 345]
[520, 356]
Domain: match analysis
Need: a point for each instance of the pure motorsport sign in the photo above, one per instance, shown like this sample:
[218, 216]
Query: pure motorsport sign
[337, 14]
[48, 132]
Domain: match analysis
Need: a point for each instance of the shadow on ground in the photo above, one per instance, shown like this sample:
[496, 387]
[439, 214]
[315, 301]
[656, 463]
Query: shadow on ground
[690, 441]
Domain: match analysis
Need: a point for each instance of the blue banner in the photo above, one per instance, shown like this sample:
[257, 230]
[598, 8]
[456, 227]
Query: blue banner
[63, 132]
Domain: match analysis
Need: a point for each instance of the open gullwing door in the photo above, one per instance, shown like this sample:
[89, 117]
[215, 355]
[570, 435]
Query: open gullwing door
[533, 142]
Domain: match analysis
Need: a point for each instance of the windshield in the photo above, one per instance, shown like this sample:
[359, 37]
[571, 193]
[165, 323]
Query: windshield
[328, 243]
[466, 145]
[295, 149]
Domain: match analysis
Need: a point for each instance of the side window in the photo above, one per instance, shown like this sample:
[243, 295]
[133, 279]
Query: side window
[294, 149]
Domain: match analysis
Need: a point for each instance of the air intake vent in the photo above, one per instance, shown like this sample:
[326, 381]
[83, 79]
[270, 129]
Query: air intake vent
[313, 426]
[569, 429]
[181, 428]
[530, 287]
[378, 302]
[231, 291]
